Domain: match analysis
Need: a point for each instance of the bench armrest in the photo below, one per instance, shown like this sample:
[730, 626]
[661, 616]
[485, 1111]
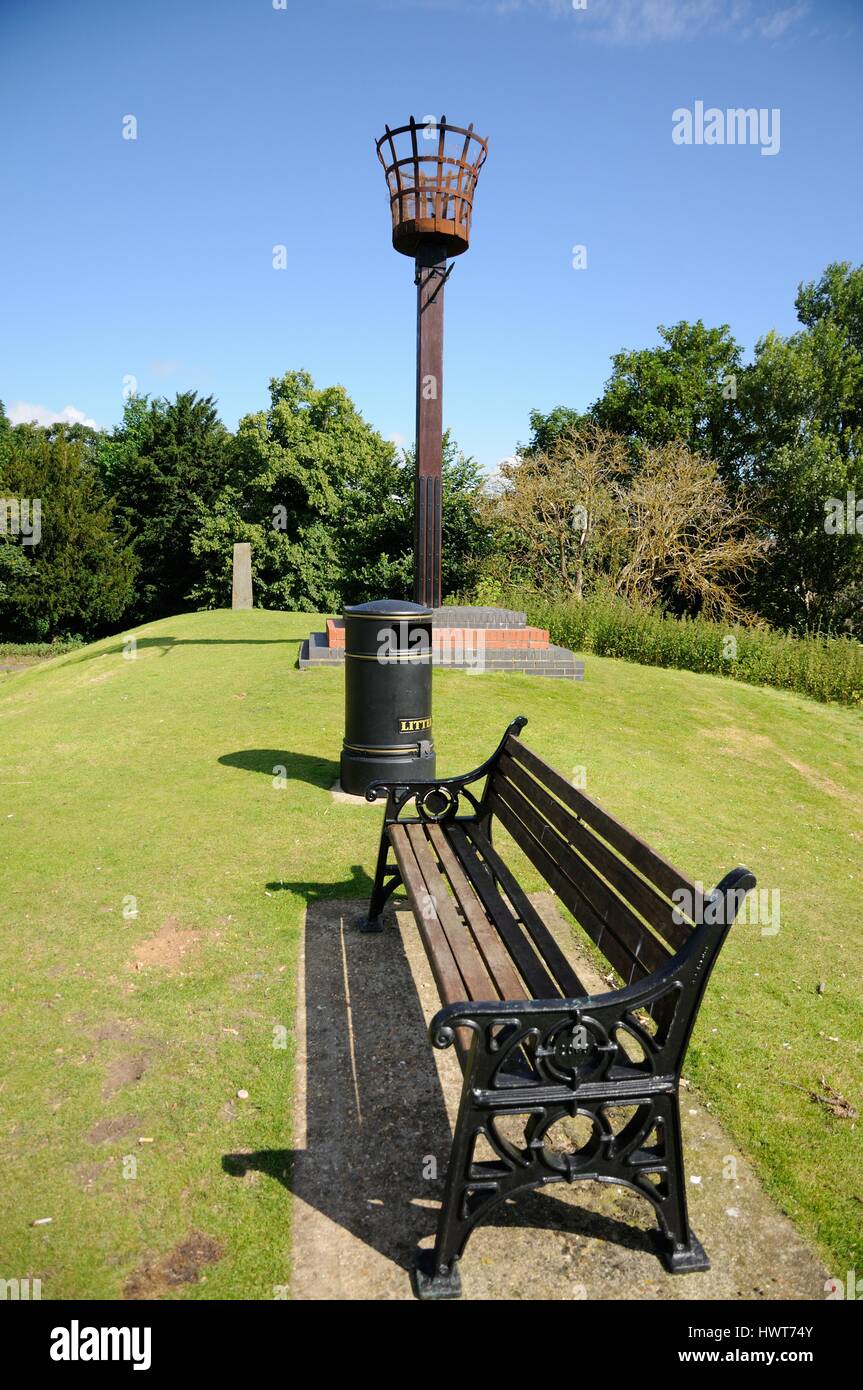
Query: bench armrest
[400, 792]
[592, 1021]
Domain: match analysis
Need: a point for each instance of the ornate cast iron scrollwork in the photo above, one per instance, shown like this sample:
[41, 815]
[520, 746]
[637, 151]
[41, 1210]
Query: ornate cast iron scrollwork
[572, 1042]
[433, 801]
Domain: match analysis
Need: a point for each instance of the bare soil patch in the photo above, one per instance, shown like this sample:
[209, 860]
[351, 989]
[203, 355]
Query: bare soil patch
[182, 1265]
[114, 1127]
[125, 1071]
[168, 947]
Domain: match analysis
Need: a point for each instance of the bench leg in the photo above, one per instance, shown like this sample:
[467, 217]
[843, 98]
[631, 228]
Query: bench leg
[386, 882]
[436, 1273]
[431, 1286]
[679, 1248]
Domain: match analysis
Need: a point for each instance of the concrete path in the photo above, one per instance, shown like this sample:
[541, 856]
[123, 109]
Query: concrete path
[374, 1111]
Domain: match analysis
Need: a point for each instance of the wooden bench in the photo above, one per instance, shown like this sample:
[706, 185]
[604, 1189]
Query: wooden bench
[536, 1047]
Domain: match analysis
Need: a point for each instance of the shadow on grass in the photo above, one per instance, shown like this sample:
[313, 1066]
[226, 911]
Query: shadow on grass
[375, 1112]
[358, 886]
[299, 767]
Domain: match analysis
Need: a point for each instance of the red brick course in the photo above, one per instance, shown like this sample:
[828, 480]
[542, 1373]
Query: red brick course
[468, 638]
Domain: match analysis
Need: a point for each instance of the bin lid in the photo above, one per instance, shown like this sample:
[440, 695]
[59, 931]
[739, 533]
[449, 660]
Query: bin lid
[387, 608]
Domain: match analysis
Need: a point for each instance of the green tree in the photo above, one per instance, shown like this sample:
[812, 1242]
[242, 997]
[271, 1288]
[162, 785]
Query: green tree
[327, 506]
[545, 430]
[684, 389]
[786, 432]
[77, 577]
[167, 461]
[801, 447]
[309, 474]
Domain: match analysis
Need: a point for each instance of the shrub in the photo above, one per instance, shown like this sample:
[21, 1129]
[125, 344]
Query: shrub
[43, 651]
[824, 668]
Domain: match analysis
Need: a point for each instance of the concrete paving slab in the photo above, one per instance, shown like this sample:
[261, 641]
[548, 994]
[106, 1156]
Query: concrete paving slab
[348, 799]
[374, 1111]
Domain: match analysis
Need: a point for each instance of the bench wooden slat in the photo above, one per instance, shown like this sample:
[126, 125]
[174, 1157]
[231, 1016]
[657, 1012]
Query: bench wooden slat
[488, 942]
[543, 940]
[447, 977]
[618, 920]
[599, 857]
[532, 970]
[654, 867]
[445, 971]
[628, 966]
[477, 983]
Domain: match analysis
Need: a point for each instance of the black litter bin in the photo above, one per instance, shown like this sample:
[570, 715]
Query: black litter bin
[388, 676]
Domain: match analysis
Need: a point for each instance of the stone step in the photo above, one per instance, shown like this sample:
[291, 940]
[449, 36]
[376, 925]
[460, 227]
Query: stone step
[478, 617]
[538, 661]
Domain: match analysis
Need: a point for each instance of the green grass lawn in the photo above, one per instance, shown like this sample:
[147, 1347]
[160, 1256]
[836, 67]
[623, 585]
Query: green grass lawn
[152, 779]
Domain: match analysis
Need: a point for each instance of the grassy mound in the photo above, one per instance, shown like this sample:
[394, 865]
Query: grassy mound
[154, 867]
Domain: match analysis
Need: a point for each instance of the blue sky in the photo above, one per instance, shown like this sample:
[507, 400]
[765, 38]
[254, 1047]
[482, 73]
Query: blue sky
[153, 258]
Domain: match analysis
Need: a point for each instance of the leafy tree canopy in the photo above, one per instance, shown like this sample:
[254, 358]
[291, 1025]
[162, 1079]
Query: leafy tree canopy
[327, 504]
[77, 577]
[801, 445]
[786, 432]
[166, 461]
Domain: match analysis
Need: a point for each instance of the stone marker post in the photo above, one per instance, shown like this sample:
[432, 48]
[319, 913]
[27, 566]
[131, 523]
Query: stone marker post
[241, 596]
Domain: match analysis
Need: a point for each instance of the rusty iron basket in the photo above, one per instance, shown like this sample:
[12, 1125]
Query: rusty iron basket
[431, 172]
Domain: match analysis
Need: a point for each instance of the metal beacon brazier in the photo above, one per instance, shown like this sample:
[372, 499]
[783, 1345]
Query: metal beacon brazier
[388, 689]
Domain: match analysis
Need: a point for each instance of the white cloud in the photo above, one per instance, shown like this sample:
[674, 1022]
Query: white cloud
[660, 21]
[22, 413]
[400, 440]
[776, 24]
[650, 21]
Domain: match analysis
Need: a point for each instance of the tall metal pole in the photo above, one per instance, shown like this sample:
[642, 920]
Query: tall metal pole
[430, 281]
[431, 201]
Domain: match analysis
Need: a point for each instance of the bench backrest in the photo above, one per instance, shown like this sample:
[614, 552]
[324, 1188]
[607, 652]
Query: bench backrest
[626, 896]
